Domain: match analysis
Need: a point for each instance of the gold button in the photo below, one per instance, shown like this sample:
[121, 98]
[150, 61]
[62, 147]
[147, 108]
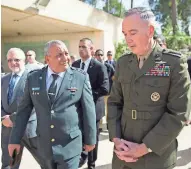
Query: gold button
[52, 111]
[52, 126]
[52, 139]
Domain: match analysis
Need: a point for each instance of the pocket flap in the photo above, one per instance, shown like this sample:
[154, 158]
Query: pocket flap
[157, 82]
[75, 133]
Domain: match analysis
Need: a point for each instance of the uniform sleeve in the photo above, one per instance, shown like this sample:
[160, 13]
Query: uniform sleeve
[178, 110]
[115, 105]
[22, 116]
[89, 115]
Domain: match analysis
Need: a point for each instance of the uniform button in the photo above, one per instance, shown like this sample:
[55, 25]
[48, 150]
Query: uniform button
[52, 140]
[52, 111]
[52, 126]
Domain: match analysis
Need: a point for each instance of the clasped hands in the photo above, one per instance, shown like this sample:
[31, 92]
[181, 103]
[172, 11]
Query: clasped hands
[129, 151]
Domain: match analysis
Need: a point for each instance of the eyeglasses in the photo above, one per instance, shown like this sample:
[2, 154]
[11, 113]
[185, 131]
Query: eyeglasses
[15, 60]
[109, 54]
[29, 55]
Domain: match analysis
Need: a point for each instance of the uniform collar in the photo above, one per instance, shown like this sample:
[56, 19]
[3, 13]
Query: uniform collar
[50, 72]
[149, 52]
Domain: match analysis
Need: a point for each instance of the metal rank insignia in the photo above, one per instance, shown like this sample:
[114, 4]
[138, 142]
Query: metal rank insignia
[159, 70]
[35, 90]
[155, 96]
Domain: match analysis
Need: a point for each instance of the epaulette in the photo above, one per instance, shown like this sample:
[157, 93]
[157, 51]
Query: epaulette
[31, 71]
[126, 54]
[79, 70]
[172, 52]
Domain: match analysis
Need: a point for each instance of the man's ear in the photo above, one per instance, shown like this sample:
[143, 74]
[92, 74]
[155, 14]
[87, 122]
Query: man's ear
[46, 59]
[151, 31]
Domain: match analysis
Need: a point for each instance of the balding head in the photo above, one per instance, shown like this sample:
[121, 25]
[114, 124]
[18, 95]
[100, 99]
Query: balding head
[31, 56]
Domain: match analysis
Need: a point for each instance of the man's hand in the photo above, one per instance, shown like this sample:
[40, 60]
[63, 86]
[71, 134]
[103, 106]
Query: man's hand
[12, 147]
[135, 151]
[7, 121]
[119, 145]
[89, 148]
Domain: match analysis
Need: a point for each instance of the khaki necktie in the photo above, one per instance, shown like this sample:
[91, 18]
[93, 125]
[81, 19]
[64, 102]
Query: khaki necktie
[141, 62]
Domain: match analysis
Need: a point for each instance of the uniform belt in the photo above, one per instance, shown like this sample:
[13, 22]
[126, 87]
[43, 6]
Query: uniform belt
[142, 115]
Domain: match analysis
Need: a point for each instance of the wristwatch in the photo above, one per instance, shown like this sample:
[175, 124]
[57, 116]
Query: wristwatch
[149, 150]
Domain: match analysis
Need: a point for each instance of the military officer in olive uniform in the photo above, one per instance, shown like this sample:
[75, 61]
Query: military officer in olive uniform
[150, 98]
[62, 98]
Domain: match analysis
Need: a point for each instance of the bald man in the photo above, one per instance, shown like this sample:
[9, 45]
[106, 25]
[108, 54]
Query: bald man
[32, 63]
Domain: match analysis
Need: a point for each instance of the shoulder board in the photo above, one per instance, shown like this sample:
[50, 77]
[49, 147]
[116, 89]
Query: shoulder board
[127, 54]
[172, 52]
[79, 70]
[31, 71]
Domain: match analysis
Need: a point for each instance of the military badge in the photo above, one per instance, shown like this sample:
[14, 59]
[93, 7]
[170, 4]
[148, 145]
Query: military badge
[35, 90]
[155, 96]
[72, 90]
[160, 69]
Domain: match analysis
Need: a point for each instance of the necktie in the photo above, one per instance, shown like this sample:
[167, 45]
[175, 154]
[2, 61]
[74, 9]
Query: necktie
[141, 62]
[83, 66]
[52, 88]
[11, 87]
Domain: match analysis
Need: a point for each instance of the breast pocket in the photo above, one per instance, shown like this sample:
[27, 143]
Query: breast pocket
[157, 89]
[126, 85]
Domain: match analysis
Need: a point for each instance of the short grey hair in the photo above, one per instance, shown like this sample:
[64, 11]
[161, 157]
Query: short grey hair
[144, 13]
[18, 52]
[51, 43]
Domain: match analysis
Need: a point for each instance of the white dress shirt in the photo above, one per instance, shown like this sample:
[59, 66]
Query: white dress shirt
[49, 79]
[18, 78]
[87, 63]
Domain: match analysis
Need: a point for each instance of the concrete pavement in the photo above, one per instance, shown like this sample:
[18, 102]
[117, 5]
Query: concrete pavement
[106, 149]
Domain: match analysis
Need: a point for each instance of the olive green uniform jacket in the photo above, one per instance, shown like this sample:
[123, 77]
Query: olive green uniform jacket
[150, 106]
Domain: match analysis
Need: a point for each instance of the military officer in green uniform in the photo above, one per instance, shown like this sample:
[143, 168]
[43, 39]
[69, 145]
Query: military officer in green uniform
[150, 98]
[62, 98]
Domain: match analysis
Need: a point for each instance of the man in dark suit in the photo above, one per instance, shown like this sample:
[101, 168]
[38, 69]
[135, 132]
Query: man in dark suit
[64, 105]
[100, 87]
[189, 65]
[110, 59]
[12, 89]
[99, 55]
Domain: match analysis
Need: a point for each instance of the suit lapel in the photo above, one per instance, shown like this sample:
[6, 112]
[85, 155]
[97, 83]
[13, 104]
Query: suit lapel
[133, 64]
[19, 86]
[6, 84]
[91, 65]
[77, 65]
[42, 83]
[65, 84]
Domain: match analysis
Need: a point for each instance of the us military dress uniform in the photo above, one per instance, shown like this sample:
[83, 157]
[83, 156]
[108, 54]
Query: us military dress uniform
[150, 105]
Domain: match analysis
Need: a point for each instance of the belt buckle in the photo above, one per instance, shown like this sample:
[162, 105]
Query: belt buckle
[134, 114]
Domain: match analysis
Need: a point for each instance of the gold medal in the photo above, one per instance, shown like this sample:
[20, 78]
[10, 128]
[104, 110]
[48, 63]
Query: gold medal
[155, 96]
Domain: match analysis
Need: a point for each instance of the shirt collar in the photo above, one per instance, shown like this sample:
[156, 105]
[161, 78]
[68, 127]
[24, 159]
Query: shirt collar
[87, 62]
[149, 52]
[20, 73]
[50, 72]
